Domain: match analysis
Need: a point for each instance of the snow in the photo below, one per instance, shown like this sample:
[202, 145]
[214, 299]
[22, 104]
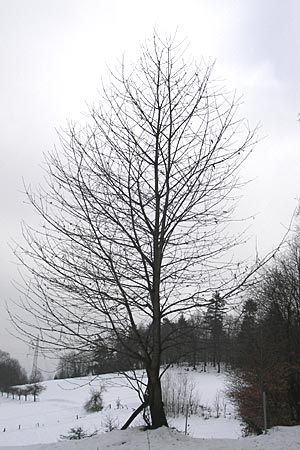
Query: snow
[167, 439]
[38, 425]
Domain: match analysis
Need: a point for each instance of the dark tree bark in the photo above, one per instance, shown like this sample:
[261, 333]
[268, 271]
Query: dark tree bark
[135, 414]
[134, 214]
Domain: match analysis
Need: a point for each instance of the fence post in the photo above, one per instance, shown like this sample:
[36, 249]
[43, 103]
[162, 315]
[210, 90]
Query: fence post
[186, 419]
[265, 411]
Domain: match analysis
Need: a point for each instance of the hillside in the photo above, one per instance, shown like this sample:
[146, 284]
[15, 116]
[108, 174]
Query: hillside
[60, 408]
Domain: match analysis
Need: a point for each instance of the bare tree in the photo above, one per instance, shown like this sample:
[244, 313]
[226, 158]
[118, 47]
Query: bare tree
[136, 212]
[73, 364]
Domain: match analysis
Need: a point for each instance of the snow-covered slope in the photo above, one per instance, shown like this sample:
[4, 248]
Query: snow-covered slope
[60, 408]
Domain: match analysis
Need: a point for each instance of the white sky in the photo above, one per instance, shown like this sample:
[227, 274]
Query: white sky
[53, 54]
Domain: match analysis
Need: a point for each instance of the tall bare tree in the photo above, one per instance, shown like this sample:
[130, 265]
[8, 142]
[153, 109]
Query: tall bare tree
[136, 212]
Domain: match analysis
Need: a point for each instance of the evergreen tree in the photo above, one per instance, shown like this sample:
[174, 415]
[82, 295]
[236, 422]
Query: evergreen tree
[214, 324]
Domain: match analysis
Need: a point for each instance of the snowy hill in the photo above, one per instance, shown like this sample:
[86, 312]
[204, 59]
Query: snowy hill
[39, 425]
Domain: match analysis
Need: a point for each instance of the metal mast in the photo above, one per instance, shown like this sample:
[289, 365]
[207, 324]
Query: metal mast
[35, 371]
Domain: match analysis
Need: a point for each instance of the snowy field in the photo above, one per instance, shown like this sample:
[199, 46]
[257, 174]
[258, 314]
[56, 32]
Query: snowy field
[60, 407]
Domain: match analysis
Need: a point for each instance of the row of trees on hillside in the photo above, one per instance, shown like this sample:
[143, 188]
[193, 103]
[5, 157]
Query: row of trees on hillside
[24, 391]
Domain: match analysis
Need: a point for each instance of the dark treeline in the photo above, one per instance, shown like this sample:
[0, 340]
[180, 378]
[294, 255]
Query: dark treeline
[200, 339]
[11, 372]
[267, 345]
[14, 380]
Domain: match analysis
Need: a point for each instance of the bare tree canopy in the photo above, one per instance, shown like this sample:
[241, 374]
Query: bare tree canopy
[136, 210]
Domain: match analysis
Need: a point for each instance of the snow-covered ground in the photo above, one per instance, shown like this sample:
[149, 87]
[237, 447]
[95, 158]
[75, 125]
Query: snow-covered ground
[281, 438]
[60, 407]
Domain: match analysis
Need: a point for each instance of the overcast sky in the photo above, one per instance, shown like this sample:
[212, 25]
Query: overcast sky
[53, 54]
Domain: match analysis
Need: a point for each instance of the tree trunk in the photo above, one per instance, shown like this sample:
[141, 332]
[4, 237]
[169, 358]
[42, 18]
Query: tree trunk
[134, 415]
[158, 417]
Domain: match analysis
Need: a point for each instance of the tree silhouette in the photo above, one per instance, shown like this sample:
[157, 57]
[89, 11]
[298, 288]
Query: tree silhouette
[135, 213]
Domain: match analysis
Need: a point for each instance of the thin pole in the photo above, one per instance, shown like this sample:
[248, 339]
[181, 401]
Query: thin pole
[186, 419]
[265, 411]
[34, 372]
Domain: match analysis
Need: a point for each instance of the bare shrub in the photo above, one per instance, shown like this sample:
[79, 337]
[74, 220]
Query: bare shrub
[179, 395]
[110, 423]
[35, 390]
[95, 402]
[217, 404]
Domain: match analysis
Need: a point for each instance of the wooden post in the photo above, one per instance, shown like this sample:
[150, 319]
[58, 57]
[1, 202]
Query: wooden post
[186, 419]
[265, 411]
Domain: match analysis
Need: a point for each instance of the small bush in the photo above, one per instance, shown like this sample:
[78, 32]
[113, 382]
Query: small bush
[76, 433]
[95, 402]
[110, 423]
